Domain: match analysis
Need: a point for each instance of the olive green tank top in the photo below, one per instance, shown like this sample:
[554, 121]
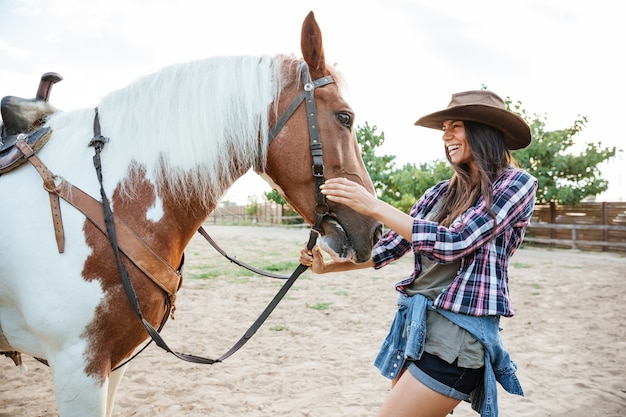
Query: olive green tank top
[444, 338]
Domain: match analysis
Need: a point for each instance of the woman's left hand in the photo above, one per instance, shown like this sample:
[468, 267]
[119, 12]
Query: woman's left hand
[351, 194]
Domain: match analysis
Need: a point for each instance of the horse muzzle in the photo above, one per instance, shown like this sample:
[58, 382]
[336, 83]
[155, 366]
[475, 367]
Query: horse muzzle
[345, 243]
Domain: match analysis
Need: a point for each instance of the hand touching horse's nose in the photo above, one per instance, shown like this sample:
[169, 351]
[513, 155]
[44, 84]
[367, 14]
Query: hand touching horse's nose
[351, 194]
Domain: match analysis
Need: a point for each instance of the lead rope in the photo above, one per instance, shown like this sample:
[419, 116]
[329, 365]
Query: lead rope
[272, 305]
[98, 142]
[234, 260]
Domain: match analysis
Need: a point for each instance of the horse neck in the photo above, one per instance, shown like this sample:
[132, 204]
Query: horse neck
[199, 123]
[165, 215]
[181, 222]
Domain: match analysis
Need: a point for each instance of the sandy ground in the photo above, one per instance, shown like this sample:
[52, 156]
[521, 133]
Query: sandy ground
[313, 357]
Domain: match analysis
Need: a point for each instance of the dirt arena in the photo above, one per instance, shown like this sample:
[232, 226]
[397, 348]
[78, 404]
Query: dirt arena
[313, 356]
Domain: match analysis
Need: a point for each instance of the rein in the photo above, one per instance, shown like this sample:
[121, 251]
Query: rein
[321, 210]
[242, 264]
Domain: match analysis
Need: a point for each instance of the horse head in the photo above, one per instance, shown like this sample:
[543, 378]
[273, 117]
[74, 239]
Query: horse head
[345, 233]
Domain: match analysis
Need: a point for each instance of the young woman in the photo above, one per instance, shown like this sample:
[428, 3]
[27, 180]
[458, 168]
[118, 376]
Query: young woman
[444, 345]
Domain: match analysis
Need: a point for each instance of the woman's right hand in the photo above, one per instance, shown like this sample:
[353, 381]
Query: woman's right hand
[314, 259]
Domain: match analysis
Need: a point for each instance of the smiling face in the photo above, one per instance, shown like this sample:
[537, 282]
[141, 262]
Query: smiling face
[455, 142]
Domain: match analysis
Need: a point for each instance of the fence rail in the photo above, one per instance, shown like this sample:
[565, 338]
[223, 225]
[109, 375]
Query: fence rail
[588, 225]
[230, 218]
[575, 242]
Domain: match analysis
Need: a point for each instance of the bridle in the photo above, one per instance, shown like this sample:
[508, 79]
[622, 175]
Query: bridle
[321, 210]
[307, 95]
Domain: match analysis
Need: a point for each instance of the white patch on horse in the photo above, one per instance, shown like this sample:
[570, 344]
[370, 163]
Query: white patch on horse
[155, 212]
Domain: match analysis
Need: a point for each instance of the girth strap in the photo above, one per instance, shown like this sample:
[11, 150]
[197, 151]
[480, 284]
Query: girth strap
[131, 244]
[50, 186]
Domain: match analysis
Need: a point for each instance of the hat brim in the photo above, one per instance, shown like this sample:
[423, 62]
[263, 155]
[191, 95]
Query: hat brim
[516, 131]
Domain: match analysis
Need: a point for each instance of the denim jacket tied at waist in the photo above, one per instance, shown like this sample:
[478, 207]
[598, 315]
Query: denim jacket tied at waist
[406, 341]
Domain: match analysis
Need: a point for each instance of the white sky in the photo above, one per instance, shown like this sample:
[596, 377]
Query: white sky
[401, 58]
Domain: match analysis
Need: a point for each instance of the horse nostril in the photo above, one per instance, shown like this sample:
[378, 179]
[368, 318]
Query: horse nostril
[378, 232]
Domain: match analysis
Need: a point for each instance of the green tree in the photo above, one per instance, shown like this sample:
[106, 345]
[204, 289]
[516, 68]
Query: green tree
[275, 197]
[378, 167]
[407, 185]
[562, 177]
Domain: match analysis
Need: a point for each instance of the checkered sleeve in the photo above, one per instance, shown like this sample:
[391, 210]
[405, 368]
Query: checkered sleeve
[513, 193]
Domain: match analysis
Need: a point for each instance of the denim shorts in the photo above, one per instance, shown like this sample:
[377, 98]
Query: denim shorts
[445, 378]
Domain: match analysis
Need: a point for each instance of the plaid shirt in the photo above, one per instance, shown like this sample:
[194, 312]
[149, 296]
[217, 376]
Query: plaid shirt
[481, 285]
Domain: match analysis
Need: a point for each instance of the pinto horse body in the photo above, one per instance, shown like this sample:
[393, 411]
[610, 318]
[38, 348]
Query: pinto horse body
[178, 139]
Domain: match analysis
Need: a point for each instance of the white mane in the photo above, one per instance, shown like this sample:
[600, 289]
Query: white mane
[190, 121]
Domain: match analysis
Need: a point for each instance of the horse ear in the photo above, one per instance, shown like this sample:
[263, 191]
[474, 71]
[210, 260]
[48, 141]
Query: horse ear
[312, 48]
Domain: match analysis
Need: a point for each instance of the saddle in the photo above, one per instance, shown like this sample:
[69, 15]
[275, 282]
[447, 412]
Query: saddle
[22, 119]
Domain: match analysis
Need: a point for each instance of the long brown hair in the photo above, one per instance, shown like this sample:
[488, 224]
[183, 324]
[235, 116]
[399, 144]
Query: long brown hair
[491, 156]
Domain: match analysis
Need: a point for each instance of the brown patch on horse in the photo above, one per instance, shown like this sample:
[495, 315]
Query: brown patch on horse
[116, 331]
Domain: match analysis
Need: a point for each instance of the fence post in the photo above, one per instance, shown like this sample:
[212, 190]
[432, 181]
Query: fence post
[552, 219]
[605, 221]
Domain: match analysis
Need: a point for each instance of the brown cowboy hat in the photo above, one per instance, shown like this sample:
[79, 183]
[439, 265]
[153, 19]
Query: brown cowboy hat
[484, 107]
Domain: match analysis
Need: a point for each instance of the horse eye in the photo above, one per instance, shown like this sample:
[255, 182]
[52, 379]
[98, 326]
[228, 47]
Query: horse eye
[345, 119]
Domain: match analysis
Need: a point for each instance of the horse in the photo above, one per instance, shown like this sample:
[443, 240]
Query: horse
[168, 145]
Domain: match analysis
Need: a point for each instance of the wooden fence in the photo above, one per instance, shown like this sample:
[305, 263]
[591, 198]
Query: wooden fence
[267, 213]
[587, 226]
